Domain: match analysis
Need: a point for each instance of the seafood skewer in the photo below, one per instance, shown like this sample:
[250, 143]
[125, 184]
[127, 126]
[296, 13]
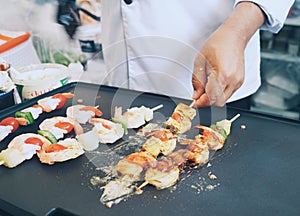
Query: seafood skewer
[216, 135]
[165, 173]
[63, 150]
[82, 113]
[135, 116]
[22, 148]
[181, 119]
[161, 141]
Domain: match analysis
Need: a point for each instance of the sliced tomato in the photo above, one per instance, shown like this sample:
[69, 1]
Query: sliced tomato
[55, 148]
[37, 106]
[34, 141]
[65, 126]
[68, 95]
[10, 121]
[91, 108]
[62, 101]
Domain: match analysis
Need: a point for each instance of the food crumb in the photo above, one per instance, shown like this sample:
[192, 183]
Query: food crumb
[212, 176]
[80, 101]
[138, 191]
[109, 204]
[210, 187]
[243, 126]
[208, 165]
[154, 197]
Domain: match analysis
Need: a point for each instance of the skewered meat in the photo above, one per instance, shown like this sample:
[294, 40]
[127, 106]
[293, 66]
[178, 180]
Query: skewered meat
[181, 119]
[162, 141]
[162, 174]
[199, 154]
[134, 164]
[211, 138]
[186, 110]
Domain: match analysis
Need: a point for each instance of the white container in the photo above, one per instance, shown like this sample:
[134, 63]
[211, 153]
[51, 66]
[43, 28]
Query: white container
[35, 80]
[16, 48]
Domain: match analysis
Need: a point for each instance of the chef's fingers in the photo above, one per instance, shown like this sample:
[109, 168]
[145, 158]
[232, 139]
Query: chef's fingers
[199, 76]
[214, 92]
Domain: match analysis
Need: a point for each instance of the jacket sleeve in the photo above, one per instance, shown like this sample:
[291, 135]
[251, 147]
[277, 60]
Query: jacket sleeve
[275, 11]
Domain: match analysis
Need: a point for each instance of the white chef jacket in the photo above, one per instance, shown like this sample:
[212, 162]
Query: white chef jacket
[151, 45]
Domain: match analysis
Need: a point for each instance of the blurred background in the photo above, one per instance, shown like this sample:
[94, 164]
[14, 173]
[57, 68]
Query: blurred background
[280, 65]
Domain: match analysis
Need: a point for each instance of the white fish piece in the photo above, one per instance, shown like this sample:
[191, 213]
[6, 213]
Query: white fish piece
[4, 131]
[82, 116]
[35, 111]
[49, 103]
[19, 151]
[89, 140]
[49, 124]
[73, 150]
[134, 117]
[108, 131]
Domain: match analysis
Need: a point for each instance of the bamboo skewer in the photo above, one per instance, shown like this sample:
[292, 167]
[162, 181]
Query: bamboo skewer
[138, 190]
[235, 117]
[192, 104]
[157, 107]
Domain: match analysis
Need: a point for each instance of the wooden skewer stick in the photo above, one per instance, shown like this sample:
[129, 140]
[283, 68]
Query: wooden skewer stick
[192, 104]
[157, 107]
[139, 189]
[235, 117]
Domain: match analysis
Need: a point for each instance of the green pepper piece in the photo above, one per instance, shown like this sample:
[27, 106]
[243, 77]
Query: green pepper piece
[26, 115]
[220, 130]
[122, 123]
[48, 135]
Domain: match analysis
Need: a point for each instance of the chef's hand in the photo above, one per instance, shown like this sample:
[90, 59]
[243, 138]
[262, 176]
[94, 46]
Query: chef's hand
[219, 66]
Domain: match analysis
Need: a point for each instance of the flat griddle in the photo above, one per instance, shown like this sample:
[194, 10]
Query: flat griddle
[257, 170]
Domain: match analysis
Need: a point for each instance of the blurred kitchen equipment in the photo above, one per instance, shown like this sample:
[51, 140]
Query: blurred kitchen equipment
[17, 49]
[68, 15]
[6, 99]
[81, 20]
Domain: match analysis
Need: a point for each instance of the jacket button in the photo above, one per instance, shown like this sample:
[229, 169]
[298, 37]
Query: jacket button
[128, 1]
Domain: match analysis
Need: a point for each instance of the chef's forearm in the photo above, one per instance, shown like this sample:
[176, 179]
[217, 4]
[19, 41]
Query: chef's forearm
[244, 21]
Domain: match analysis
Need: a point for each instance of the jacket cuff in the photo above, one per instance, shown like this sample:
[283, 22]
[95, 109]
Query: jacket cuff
[276, 13]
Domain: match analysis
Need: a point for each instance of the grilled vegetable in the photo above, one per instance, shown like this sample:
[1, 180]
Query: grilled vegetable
[48, 135]
[122, 123]
[27, 116]
[10, 121]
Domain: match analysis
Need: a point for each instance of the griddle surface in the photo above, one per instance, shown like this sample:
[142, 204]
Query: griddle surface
[257, 170]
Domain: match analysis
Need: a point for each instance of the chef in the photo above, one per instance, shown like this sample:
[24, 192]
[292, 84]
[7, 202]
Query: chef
[206, 50]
